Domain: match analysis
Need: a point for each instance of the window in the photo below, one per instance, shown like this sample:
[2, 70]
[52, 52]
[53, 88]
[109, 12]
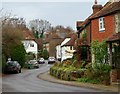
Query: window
[71, 48]
[31, 45]
[101, 24]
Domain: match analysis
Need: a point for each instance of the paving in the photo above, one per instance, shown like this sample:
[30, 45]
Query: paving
[47, 77]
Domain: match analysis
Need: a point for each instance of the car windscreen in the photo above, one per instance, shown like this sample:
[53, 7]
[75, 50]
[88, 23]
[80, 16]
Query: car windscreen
[11, 63]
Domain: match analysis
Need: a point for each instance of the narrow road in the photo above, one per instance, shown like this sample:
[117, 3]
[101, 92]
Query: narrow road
[28, 82]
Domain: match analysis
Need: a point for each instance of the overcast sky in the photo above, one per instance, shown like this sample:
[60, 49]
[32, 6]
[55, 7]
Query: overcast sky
[57, 13]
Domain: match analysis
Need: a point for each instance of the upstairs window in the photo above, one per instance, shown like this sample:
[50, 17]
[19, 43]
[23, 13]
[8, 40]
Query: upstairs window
[31, 45]
[101, 24]
[71, 48]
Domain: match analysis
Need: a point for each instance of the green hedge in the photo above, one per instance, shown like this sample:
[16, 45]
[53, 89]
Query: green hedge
[95, 74]
[67, 73]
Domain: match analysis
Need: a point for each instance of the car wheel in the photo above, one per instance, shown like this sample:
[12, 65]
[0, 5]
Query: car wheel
[17, 71]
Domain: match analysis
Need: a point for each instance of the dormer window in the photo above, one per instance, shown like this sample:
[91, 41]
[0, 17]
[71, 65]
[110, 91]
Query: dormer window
[101, 24]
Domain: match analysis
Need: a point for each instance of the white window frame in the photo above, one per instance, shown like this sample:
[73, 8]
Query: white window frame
[101, 24]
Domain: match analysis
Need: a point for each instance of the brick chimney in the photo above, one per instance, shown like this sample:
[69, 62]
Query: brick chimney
[96, 7]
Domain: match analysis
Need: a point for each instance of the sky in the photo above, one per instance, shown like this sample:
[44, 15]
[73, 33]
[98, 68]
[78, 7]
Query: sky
[57, 13]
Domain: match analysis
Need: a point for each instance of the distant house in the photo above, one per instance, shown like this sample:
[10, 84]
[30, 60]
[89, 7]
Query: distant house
[39, 43]
[64, 54]
[50, 42]
[46, 44]
[29, 42]
[66, 49]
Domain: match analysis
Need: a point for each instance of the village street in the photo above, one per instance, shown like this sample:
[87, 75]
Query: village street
[27, 81]
[52, 50]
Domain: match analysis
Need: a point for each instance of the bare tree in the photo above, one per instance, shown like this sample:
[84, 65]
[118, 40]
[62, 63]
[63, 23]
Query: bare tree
[39, 27]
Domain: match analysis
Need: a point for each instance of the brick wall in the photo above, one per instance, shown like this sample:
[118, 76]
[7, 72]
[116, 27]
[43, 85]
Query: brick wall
[109, 28]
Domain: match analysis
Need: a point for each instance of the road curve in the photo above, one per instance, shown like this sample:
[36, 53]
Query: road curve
[28, 82]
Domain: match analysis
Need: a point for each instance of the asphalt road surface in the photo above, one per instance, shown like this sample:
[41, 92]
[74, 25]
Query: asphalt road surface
[27, 81]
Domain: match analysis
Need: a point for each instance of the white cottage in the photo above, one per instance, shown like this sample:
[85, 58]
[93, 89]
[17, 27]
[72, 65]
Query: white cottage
[29, 43]
[30, 46]
[64, 54]
[67, 47]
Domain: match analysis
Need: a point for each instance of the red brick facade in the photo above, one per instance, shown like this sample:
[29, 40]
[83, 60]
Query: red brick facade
[109, 28]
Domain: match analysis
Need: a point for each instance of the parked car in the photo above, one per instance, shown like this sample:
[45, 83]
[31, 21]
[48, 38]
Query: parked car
[32, 64]
[41, 61]
[51, 60]
[12, 66]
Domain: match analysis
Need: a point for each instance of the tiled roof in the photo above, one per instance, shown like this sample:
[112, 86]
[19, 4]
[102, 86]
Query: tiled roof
[69, 35]
[55, 36]
[71, 41]
[39, 42]
[114, 37]
[85, 23]
[108, 9]
[46, 40]
[28, 35]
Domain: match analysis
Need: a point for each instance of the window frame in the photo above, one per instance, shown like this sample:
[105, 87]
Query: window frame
[101, 24]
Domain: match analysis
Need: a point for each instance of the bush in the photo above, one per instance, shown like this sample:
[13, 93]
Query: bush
[100, 51]
[68, 73]
[45, 54]
[88, 80]
[102, 68]
[30, 56]
[18, 53]
[76, 64]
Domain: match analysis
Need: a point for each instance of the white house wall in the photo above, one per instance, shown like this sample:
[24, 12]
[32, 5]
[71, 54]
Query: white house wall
[66, 53]
[58, 52]
[30, 46]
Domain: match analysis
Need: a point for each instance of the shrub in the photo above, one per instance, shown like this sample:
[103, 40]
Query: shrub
[83, 64]
[100, 51]
[76, 64]
[88, 80]
[18, 53]
[45, 54]
[102, 68]
[66, 73]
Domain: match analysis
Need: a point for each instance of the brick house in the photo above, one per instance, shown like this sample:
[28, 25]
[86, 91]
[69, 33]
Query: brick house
[85, 35]
[105, 25]
[104, 21]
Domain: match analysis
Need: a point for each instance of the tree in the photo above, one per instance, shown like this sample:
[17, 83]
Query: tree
[11, 40]
[18, 54]
[39, 27]
[45, 54]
